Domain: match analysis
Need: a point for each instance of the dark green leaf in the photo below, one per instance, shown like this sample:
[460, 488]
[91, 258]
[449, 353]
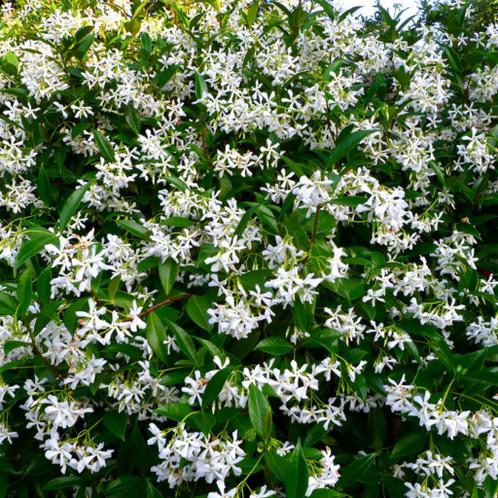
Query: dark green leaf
[104, 146]
[71, 206]
[356, 471]
[174, 411]
[24, 291]
[203, 421]
[196, 308]
[132, 119]
[275, 345]
[183, 340]
[200, 86]
[327, 493]
[348, 288]
[62, 482]
[296, 474]
[127, 485]
[167, 274]
[134, 228]
[346, 144]
[44, 188]
[152, 491]
[156, 336]
[215, 386]
[115, 423]
[409, 444]
[146, 42]
[37, 241]
[82, 48]
[259, 412]
[177, 221]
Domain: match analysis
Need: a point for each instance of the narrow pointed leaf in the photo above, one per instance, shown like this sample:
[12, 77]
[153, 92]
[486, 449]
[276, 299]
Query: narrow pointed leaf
[71, 206]
[104, 146]
[259, 412]
[183, 340]
[156, 336]
[24, 291]
[196, 308]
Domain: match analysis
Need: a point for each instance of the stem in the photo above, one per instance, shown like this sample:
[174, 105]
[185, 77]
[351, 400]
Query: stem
[170, 300]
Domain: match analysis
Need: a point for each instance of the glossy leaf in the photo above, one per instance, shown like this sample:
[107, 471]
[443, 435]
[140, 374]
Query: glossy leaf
[156, 336]
[259, 412]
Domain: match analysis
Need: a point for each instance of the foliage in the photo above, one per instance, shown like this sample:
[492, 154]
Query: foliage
[247, 249]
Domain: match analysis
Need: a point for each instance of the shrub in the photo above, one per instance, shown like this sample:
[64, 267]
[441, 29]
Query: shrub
[247, 249]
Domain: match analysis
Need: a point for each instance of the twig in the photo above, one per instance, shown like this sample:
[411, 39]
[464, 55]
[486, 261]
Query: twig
[170, 300]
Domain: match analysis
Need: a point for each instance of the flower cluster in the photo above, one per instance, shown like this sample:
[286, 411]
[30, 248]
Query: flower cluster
[247, 249]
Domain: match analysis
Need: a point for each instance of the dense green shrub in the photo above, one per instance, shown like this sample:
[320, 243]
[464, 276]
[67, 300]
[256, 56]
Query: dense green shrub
[247, 248]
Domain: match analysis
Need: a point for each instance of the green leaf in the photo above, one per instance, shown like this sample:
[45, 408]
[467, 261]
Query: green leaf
[196, 308]
[183, 340]
[29, 248]
[276, 464]
[164, 76]
[132, 119]
[296, 474]
[200, 86]
[174, 411]
[9, 346]
[179, 184]
[203, 421]
[156, 336]
[259, 412]
[11, 58]
[377, 427]
[252, 12]
[24, 291]
[327, 8]
[349, 200]
[167, 274]
[43, 187]
[215, 386]
[212, 348]
[82, 33]
[7, 304]
[356, 470]
[62, 482]
[134, 228]
[327, 493]
[115, 423]
[152, 491]
[113, 287]
[126, 486]
[244, 220]
[71, 205]
[104, 146]
[146, 42]
[267, 216]
[83, 46]
[490, 487]
[346, 144]
[303, 314]
[277, 346]
[178, 221]
[348, 288]
[409, 444]
[9, 64]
